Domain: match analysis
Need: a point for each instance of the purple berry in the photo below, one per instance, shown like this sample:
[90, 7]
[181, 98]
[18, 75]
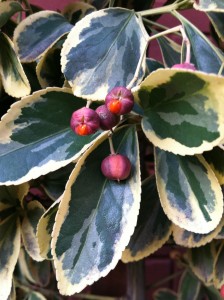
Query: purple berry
[107, 119]
[85, 121]
[116, 167]
[119, 100]
[187, 66]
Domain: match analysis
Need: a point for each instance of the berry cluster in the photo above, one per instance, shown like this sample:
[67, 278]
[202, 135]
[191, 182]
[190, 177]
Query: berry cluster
[85, 121]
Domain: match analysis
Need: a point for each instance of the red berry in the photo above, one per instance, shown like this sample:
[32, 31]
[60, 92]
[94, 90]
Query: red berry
[222, 291]
[116, 167]
[85, 121]
[107, 119]
[187, 66]
[119, 100]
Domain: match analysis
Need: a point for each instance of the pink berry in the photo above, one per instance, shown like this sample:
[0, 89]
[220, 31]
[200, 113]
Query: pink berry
[107, 119]
[187, 66]
[222, 291]
[116, 167]
[119, 100]
[85, 121]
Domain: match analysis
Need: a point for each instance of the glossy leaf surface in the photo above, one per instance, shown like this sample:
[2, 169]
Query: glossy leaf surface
[7, 10]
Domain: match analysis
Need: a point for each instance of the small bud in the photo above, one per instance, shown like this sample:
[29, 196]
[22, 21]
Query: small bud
[187, 66]
[116, 167]
[222, 291]
[107, 119]
[119, 100]
[85, 121]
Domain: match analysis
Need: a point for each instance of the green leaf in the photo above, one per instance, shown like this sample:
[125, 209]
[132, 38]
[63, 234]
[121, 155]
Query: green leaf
[189, 191]
[49, 67]
[54, 183]
[12, 295]
[7, 10]
[171, 51]
[94, 225]
[153, 227]
[36, 138]
[9, 249]
[190, 239]
[35, 296]
[212, 293]
[218, 267]
[33, 212]
[45, 228]
[116, 40]
[183, 110]
[38, 32]
[13, 78]
[218, 23]
[76, 11]
[37, 273]
[209, 5]
[205, 56]
[201, 262]
[189, 287]
[215, 158]
[164, 294]
[99, 4]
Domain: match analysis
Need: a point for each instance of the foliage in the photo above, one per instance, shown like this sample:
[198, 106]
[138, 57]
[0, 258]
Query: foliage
[53, 194]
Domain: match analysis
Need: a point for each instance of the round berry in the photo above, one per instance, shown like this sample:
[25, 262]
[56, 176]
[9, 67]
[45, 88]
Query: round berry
[222, 291]
[119, 100]
[85, 121]
[116, 167]
[186, 66]
[107, 119]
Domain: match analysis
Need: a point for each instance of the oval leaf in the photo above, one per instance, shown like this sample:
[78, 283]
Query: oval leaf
[116, 40]
[183, 110]
[33, 212]
[153, 227]
[14, 79]
[38, 32]
[9, 249]
[93, 225]
[45, 228]
[76, 11]
[209, 5]
[201, 262]
[217, 20]
[164, 294]
[189, 287]
[190, 239]
[35, 135]
[171, 51]
[7, 10]
[189, 191]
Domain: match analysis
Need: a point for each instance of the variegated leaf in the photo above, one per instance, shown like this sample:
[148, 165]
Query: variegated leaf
[153, 227]
[183, 110]
[45, 228]
[190, 239]
[164, 294]
[171, 51]
[12, 295]
[201, 262]
[77, 10]
[33, 212]
[153, 65]
[35, 296]
[49, 68]
[212, 293]
[215, 158]
[38, 32]
[189, 191]
[116, 40]
[218, 267]
[7, 10]
[99, 4]
[9, 249]
[209, 5]
[37, 273]
[217, 20]
[205, 56]
[189, 287]
[94, 225]
[54, 183]
[13, 78]
[36, 138]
